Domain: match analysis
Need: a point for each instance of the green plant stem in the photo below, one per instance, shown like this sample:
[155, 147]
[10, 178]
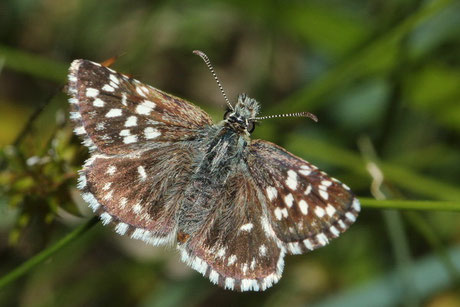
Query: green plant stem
[45, 254]
[426, 205]
[366, 203]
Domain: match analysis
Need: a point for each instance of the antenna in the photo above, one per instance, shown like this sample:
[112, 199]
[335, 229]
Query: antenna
[299, 114]
[208, 63]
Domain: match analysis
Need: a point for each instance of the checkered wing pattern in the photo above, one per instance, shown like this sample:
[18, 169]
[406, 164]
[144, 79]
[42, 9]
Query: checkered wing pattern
[306, 207]
[136, 134]
[136, 193]
[115, 114]
[160, 171]
[276, 203]
[236, 247]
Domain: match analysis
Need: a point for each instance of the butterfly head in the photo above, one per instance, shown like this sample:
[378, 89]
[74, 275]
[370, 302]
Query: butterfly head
[241, 117]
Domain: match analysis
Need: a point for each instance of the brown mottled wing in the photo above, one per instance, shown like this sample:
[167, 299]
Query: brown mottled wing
[138, 193]
[306, 207]
[236, 248]
[115, 114]
[140, 162]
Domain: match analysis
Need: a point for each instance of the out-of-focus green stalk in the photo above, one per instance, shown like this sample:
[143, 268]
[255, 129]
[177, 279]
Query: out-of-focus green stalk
[45, 254]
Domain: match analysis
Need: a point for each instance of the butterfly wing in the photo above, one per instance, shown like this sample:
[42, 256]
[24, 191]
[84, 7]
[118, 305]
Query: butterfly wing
[306, 207]
[139, 162]
[274, 203]
[116, 114]
[137, 193]
[235, 248]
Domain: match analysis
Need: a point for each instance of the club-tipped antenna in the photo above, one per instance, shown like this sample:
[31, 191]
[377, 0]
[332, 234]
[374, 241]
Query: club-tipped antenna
[208, 63]
[299, 114]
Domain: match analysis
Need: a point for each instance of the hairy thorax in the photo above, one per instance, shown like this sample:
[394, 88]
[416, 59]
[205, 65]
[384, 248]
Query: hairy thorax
[219, 153]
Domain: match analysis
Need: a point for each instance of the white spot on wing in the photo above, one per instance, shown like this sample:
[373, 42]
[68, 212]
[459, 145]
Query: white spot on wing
[289, 200]
[271, 193]
[131, 121]
[113, 113]
[100, 126]
[350, 217]
[145, 107]
[108, 88]
[303, 207]
[139, 91]
[81, 181]
[109, 195]
[151, 133]
[92, 92]
[123, 99]
[253, 263]
[247, 227]
[322, 239]
[79, 130]
[284, 212]
[142, 173]
[319, 211]
[105, 218]
[308, 190]
[125, 132]
[114, 79]
[75, 115]
[130, 139]
[326, 183]
[262, 250]
[137, 208]
[323, 194]
[268, 229]
[308, 244]
[334, 231]
[123, 202]
[229, 283]
[221, 252]
[356, 205]
[111, 170]
[98, 103]
[294, 248]
[291, 181]
[231, 259]
[330, 210]
[244, 268]
[249, 284]
[121, 228]
[305, 172]
[278, 213]
[91, 200]
[199, 265]
[214, 277]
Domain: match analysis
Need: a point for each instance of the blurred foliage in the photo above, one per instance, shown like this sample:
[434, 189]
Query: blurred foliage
[382, 76]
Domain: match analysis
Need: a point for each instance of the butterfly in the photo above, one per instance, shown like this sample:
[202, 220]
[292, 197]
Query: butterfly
[161, 171]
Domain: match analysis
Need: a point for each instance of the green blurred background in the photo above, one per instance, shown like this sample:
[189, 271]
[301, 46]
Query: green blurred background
[383, 76]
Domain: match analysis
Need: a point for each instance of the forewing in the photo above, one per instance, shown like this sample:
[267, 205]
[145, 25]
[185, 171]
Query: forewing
[236, 247]
[138, 193]
[116, 114]
[306, 207]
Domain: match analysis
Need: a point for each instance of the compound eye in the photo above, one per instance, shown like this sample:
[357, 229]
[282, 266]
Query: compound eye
[227, 113]
[251, 126]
